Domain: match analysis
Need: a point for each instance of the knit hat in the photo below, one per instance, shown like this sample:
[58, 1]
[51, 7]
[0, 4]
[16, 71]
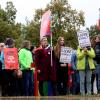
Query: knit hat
[9, 42]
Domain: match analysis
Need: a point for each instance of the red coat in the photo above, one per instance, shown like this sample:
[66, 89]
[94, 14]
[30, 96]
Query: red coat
[43, 63]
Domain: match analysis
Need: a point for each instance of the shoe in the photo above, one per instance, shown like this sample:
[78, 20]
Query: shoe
[88, 94]
[82, 94]
[98, 94]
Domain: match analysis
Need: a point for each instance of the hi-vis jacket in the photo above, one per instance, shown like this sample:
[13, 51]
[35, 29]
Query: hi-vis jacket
[25, 59]
[81, 55]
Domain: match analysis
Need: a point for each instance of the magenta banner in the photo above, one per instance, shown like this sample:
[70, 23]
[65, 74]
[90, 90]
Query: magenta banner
[45, 24]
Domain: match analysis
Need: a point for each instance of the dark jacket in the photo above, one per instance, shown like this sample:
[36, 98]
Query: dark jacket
[62, 72]
[97, 52]
[43, 63]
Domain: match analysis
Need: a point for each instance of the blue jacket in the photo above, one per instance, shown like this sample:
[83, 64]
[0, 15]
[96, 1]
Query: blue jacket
[74, 61]
[2, 59]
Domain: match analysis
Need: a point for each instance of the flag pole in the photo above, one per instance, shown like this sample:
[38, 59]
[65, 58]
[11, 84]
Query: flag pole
[51, 40]
[51, 50]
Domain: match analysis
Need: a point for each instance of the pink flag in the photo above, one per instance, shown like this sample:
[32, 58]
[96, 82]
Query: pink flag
[45, 24]
[98, 27]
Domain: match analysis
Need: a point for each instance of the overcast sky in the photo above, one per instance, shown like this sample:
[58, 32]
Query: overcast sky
[26, 8]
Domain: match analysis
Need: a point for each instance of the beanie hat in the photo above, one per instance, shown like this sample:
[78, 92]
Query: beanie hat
[9, 42]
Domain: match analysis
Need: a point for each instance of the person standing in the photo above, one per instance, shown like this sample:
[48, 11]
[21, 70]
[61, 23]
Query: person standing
[97, 60]
[75, 75]
[85, 65]
[2, 45]
[62, 69]
[25, 60]
[8, 78]
[46, 72]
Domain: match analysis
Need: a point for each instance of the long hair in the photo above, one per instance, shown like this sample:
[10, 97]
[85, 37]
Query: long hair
[93, 42]
[57, 48]
[93, 38]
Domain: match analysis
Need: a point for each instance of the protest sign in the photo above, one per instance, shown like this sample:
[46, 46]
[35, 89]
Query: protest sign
[65, 56]
[83, 38]
[11, 58]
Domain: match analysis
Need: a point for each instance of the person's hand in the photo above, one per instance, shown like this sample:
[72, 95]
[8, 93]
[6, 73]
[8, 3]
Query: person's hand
[85, 49]
[63, 65]
[38, 71]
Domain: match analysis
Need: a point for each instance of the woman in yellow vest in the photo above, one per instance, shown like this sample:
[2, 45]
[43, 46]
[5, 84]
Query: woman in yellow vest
[85, 65]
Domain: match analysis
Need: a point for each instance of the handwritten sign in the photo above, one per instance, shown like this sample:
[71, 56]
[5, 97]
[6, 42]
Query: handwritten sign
[11, 58]
[65, 56]
[83, 38]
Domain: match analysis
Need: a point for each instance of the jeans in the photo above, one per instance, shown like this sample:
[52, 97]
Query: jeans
[28, 84]
[86, 74]
[75, 83]
[98, 79]
[8, 83]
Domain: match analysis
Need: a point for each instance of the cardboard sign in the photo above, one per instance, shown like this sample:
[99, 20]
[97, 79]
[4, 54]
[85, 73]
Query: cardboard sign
[65, 56]
[83, 38]
[11, 58]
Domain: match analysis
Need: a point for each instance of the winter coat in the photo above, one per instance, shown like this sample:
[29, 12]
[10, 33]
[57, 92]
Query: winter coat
[2, 59]
[81, 59]
[43, 63]
[74, 61]
[97, 52]
[25, 59]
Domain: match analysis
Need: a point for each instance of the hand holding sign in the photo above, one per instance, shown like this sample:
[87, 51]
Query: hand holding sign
[85, 49]
[63, 65]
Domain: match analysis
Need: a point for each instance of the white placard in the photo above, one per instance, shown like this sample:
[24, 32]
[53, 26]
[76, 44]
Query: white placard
[83, 38]
[65, 55]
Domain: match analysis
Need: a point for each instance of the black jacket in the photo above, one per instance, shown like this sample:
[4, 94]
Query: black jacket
[97, 52]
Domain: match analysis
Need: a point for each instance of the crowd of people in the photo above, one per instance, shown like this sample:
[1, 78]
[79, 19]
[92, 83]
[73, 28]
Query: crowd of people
[76, 77]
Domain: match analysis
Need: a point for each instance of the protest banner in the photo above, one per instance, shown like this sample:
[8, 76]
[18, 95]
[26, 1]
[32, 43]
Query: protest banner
[65, 56]
[83, 38]
[11, 58]
[45, 24]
